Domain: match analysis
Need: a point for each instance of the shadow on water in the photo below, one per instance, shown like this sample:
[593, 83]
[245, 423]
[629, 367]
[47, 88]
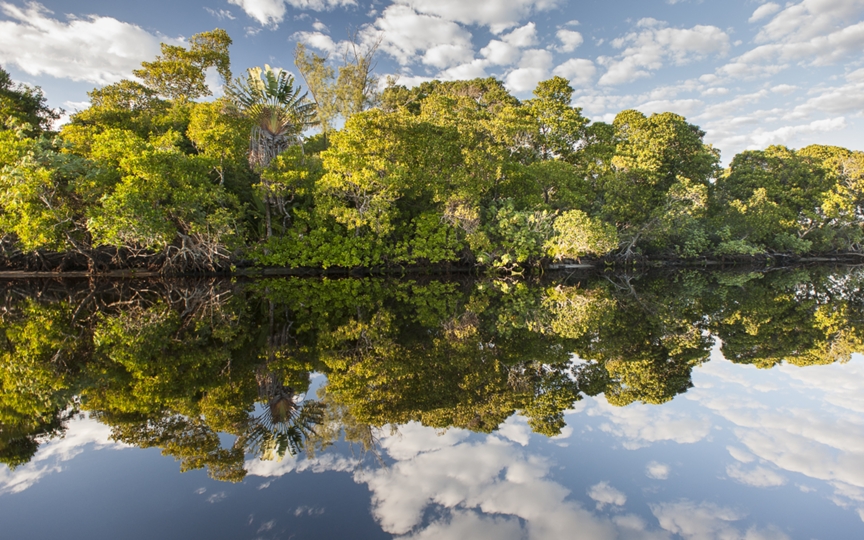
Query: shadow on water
[174, 364]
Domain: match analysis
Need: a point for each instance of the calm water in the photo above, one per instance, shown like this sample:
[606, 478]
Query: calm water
[691, 405]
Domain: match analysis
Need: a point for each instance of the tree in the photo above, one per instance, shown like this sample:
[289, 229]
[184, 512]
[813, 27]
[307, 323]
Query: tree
[279, 114]
[24, 107]
[346, 92]
[577, 235]
[180, 73]
[652, 154]
[772, 200]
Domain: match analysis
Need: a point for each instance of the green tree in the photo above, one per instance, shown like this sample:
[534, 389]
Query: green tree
[180, 73]
[24, 107]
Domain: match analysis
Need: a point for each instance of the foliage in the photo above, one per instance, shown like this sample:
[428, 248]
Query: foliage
[176, 365]
[24, 108]
[180, 73]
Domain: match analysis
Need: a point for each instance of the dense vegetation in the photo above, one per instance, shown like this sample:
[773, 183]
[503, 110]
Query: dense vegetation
[444, 173]
[172, 364]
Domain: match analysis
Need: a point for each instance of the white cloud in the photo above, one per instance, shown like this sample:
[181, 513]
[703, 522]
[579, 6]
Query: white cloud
[579, 71]
[786, 134]
[809, 19]
[272, 12]
[485, 489]
[99, 50]
[407, 33]
[497, 14]
[533, 68]
[316, 40]
[657, 471]
[446, 55]
[516, 430]
[707, 521]
[755, 476]
[684, 107]
[765, 10]
[570, 40]
[640, 425]
[846, 98]
[220, 14]
[266, 12]
[51, 455]
[500, 53]
[812, 32]
[524, 36]
[647, 49]
[605, 494]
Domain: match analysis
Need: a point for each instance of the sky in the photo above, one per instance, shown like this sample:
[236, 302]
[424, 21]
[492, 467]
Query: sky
[749, 73]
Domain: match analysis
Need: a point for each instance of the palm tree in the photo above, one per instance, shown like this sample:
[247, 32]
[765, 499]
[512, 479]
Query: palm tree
[286, 422]
[279, 115]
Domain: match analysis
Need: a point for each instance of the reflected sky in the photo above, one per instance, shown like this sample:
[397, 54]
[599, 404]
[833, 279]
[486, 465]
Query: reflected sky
[746, 453]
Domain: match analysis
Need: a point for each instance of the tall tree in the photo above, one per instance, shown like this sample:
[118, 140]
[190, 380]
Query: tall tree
[24, 107]
[279, 112]
[181, 73]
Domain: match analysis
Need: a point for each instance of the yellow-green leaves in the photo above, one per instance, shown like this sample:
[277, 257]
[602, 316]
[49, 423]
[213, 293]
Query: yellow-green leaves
[180, 73]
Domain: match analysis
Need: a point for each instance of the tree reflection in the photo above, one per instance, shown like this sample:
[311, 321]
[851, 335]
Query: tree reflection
[213, 372]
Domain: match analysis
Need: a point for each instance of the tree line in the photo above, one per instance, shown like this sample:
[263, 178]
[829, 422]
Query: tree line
[348, 172]
[173, 364]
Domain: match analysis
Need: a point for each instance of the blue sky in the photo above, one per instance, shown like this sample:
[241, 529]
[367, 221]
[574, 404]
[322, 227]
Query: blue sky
[750, 73]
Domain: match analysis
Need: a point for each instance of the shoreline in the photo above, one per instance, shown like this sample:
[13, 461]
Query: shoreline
[851, 259]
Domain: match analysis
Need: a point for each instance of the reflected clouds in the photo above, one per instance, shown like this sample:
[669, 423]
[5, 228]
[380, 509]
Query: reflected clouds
[51, 455]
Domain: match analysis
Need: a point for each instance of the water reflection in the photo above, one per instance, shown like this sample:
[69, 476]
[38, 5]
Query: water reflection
[425, 377]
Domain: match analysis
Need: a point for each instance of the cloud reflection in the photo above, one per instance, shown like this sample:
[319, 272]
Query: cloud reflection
[52, 454]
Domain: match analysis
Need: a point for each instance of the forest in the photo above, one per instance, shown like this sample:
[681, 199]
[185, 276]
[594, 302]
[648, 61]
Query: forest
[346, 171]
[173, 364]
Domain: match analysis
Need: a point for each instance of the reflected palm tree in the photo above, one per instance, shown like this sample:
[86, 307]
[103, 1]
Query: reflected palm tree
[287, 421]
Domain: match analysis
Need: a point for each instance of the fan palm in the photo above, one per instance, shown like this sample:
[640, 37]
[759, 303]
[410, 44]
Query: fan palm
[278, 110]
[279, 114]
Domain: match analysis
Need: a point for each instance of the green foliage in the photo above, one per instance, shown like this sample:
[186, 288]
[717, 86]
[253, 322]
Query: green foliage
[177, 365]
[24, 108]
[577, 235]
[772, 199]
[37, 199]
[444, 172]
[179, 73]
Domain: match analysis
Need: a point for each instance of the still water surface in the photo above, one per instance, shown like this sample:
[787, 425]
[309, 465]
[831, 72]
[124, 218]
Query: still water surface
[692, 405]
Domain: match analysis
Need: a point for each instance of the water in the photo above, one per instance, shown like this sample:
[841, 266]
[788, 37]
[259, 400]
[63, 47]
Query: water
[689, 405]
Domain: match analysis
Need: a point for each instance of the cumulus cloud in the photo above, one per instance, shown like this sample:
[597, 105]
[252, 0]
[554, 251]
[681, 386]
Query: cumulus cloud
[605, 495]
[755, 476]
[316, 40]
[500, 53]
[788, 133]
[654, 43]
[100, 50]
[640, 425]
[272, 12]
[657, 471]
[570, 40]
[407, 33]
[580, 71]
[533, 68]
[498, 15]
[524, 36]
[707, 521]
[51, 455]
[812, 32]
[765, 10]
[485, 488]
